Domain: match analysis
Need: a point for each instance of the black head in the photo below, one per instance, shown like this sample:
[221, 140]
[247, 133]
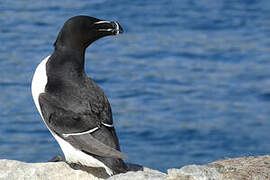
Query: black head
[80, 31]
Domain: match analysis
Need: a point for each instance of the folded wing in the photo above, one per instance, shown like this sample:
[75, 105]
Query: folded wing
[75, 128]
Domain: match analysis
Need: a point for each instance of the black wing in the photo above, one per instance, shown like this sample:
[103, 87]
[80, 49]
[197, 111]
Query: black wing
[102, 142]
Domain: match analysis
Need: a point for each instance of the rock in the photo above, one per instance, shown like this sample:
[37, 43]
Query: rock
[248, 168]
[194, 172]
[139, 175]
[14, 170]
[253, 167]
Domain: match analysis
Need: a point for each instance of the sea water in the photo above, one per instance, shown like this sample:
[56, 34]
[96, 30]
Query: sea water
[188, 81]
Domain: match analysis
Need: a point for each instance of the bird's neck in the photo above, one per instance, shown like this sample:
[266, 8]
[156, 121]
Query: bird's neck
[66, 62]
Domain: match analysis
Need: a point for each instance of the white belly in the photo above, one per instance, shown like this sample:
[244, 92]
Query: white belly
[72, 154]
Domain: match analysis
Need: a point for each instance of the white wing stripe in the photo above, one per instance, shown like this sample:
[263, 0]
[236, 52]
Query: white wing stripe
[81, 133]
[108, 125]
[89, 131]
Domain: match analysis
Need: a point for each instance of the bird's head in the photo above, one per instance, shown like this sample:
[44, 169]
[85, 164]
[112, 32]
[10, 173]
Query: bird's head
[80, 31]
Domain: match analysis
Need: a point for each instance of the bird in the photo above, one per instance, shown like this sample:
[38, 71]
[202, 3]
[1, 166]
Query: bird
[73, 107]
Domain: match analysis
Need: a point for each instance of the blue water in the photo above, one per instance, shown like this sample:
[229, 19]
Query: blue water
[188, 81]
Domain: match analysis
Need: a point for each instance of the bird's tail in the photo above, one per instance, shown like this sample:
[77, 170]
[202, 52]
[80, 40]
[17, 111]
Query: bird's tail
[116, 165]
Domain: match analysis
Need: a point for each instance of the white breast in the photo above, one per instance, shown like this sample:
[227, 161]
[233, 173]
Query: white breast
[72, 154]
[39, 82]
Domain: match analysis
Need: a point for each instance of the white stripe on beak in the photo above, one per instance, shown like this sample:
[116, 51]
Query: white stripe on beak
[109, 30]
[117, 28]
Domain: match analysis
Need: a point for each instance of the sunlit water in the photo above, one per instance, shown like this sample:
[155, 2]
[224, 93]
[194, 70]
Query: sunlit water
[188, 81]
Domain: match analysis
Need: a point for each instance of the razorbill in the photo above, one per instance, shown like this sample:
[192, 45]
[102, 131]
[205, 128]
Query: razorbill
[74, 108]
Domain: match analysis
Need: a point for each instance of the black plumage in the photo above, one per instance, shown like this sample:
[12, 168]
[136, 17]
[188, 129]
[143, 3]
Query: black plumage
[72, 102]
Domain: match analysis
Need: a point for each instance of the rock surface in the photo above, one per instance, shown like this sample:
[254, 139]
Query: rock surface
[244, 168]
[14, 170]
[253, 168]
[194, 172]
[139, 175]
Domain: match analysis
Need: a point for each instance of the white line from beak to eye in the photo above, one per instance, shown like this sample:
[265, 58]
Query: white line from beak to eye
[100, 22]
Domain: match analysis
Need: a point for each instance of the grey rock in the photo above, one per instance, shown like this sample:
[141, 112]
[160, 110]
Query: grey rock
[253, 168]
[244, 168]
[247, 168]
[139, 175]
[194, 172]
[16, 170]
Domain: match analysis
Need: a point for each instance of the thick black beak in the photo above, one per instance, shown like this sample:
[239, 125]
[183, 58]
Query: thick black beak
[109, 26]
